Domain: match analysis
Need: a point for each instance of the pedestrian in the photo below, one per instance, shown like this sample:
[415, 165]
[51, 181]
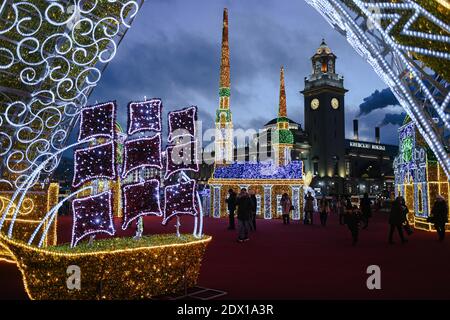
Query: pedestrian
[286, 205]
[231, 203]
[309, 208]
[244, 205]
[439, 217]
[405, 211]
[324, 211]
[351, 219]
[366, 210]
[253, 212]
[396, 219]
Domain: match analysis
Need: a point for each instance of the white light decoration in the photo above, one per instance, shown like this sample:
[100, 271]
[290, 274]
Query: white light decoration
[296, 194]
[51, 59]
[393, 62]
[268, 202]
[216, 202]
[92, 221]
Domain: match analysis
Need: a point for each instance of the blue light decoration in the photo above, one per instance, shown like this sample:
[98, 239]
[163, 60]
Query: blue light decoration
[261, 170]
[140, 199]
[296, 192]
[144, 116]
[92, 215]
[216, 203]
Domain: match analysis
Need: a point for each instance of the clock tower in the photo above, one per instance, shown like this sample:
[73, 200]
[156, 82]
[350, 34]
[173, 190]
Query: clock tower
[324, 121]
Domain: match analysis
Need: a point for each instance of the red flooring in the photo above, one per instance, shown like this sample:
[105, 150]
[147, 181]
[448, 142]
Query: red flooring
[305, 262]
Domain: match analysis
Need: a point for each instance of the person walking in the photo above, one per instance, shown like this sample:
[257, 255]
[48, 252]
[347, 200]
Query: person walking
[396, 219]
[366, 210]
[351, 219]
[253, 212]
[231, 203]
[406, 227]
[286, 205]
[324, 211]
[244, 205]
[309, 208]
[439, 214]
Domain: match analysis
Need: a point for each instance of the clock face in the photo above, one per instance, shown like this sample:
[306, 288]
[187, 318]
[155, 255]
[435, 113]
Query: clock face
[314, 104]
[335, 103]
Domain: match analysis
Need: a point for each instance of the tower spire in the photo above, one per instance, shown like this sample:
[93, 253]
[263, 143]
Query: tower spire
[282, 112]
[225, 59]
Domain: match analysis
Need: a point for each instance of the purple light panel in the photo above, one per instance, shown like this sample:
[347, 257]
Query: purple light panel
[181, 157]
[92, 215]
[180, 199]
[144, 116]
[94, 162]
[140, 199]
[98, 121]
[182, 123]
[142, 152]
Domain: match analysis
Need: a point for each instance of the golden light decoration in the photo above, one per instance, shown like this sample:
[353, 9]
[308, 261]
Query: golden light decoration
[118, 268]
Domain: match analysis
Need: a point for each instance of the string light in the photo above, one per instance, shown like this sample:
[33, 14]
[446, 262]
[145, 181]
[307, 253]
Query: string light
[92, 215]
[179, 199]
[151, 266]
[182, 123]
[144, 116]
[140, 199]
[94, 163]
[181, 157]
[142, 153]
[98, 121]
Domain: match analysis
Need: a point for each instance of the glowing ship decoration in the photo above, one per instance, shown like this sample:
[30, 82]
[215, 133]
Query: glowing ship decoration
[111, 179]
[92, 214]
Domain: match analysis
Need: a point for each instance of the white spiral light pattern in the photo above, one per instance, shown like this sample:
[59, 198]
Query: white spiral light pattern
[422, 92]
[52, 55]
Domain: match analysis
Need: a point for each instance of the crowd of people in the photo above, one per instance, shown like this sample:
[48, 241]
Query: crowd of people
[354, 216]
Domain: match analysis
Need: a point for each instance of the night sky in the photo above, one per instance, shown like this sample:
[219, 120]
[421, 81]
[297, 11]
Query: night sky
[172, 51]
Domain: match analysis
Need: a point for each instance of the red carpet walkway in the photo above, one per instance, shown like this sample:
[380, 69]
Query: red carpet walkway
[305, 262]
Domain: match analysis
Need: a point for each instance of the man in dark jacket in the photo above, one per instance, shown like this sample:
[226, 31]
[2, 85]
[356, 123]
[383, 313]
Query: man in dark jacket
[440, 216]
[244, 205]
[396, 219]
[366, 210]
[231, 202]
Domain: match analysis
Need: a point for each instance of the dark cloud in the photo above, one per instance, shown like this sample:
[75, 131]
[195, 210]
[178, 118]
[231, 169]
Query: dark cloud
[395, 119]
[377, 100]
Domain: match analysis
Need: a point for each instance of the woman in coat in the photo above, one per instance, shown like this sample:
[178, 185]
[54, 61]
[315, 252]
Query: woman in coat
[309, 208]
[324, 211]
[285, 207]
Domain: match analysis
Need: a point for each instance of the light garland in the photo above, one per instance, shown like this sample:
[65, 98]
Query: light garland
[142, 153]
[93, 163]
[92, 215]
[181, 157]
[57, 70]
[98, 121]
[417, 178]
[144, 116]
[140, 199]
[182, 123]
[260, 170]
[165, 264]
[179, 199]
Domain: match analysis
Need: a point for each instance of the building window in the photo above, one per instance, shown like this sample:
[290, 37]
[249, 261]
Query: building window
[347, 168]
